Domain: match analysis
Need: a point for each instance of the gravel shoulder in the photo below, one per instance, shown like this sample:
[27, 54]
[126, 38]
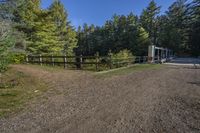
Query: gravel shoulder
[162, 100]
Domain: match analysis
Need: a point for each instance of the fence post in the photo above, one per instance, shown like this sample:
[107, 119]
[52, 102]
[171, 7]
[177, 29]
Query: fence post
[65, 61]
[97, 61]
[81, 61]
[41, 60]
[52, 60]
[27, 60]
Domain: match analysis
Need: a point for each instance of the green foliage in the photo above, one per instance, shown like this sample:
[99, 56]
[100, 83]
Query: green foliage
[144, 41]
[176, 16]
[149, 22]
[66, 33]
[48, 31]
[122, 58]
[193, 27]
[3, 64]
[119, 33]
[17, 58]
[179, 28]
[6, 41]
[26, 13]
[45, 31]
[45, 38]
[123, 54]
[9, 36]
[128, 70]
[70, 41]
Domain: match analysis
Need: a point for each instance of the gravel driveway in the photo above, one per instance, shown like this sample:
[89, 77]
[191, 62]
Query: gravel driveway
[163, 100]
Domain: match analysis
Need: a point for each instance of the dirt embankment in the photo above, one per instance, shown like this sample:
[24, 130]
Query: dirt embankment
[164, 100]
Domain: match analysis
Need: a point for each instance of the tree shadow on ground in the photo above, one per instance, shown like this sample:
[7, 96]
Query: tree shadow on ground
[195, 83]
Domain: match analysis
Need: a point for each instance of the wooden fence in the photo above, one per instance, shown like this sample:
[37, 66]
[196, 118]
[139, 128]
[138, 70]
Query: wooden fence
[78, 61]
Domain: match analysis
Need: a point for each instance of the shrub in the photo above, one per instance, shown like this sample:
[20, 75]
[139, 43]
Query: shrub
[124, 54]
[17, 58]
[3, 64]
[122, 58]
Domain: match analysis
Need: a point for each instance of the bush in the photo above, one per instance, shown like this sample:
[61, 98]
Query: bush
[3, 64]
[122, 58]
[123, 55]
[17, 58]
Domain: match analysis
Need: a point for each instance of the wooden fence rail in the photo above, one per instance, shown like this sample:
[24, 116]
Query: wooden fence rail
[79, 61]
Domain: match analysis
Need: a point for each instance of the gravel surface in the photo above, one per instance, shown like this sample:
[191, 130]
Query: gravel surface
[164, 100]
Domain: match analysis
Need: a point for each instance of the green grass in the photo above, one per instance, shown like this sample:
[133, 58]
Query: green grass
[48, 67]
[128, 70]
[57, 68]
[16, 89]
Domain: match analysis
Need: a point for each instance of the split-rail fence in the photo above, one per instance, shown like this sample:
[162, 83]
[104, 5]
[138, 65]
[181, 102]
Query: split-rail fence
[79, 61]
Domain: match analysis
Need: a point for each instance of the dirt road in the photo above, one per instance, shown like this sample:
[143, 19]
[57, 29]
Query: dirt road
[164, 100]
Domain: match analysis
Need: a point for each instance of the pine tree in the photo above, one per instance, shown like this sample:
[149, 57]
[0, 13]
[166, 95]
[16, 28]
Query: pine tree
[164, 30]
[66, 33]
[149, 22]
[143, 41]
[45, 37]
[80, 38]
[71, 41]
[194, 27]
[119, 33]
[176, 23]
[26, 14]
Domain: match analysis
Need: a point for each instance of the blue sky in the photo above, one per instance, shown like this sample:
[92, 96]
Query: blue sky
[98, 11]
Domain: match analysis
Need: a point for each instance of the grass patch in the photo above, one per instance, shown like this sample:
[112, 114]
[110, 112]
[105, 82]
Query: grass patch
[128, 70]
[47, 67]
[16, 89]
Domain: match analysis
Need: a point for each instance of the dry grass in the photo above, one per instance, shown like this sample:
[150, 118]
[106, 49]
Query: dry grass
[16, 89]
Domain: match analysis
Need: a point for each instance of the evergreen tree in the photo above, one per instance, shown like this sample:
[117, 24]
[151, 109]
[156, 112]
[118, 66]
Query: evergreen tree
[164, 30]
[149, 22]
[143, 42]
[176, 25]
[194, 27]
[119, 33]
[45, 37]
[71, 41]
[26, 14]
[49, 31]
[66, 33]
[80, 38]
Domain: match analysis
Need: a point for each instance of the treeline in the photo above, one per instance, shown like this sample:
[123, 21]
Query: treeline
[119, 33]
[177, 29]
[24, 26]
